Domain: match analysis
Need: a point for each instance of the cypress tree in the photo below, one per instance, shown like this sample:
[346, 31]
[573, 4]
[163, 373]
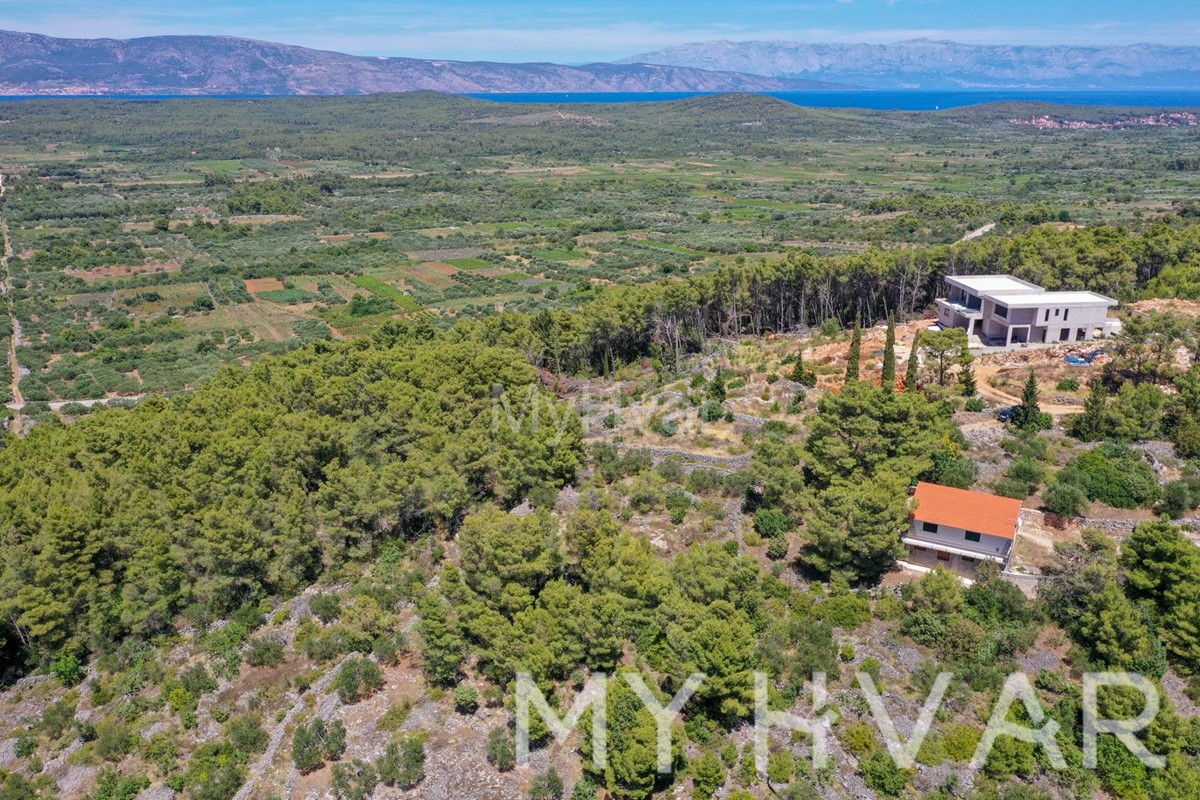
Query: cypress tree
[910, 374]
[889, 356]
[801, 375]
[1089, 426]
[855, 356]
[1028, 414]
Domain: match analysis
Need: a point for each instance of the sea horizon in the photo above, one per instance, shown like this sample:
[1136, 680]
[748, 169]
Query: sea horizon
[872, 99]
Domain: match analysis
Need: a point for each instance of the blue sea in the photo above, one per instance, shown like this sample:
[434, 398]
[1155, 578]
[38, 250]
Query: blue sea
[903, 100]
[879, 99]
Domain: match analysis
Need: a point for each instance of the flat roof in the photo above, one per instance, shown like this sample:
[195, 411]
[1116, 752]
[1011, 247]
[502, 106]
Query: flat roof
[1026, 300]
[970, 511]
[987, 284]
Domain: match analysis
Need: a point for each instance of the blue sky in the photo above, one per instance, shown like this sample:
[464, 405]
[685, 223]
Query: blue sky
[592, 30]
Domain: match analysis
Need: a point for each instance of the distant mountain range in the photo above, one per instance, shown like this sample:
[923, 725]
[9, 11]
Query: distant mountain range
[926, 64]
[31, 64]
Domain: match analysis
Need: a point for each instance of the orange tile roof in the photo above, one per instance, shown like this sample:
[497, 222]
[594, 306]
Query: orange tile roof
[971, 511]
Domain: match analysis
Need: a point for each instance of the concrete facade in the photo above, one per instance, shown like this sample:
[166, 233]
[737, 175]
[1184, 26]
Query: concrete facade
[954, 542]
[1003, 311]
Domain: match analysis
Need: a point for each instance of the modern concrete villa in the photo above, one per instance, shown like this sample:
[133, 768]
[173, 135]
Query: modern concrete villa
[1001, 311]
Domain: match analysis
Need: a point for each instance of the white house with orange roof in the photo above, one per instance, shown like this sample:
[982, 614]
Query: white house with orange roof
[958, 528]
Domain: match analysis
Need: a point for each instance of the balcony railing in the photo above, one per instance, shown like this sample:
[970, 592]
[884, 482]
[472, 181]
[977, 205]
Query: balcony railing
[966, 311]
[962, 548]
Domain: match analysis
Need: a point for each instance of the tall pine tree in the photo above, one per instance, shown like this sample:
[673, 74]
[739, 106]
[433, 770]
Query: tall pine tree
[1090, 425]
[888, 378]
[910, 373]
[855, 355]
[1028, 415]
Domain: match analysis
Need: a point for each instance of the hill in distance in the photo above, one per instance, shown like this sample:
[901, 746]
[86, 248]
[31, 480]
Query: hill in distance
[31, 64]
[926, 64]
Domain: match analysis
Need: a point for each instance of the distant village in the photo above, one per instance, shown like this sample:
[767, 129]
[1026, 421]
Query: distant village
[1166, 119]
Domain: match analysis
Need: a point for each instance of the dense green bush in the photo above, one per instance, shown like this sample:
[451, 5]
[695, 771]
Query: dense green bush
[1118, 475]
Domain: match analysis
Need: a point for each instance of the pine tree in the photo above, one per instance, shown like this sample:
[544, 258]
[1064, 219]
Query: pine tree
[888, 378]
[801, 374]
[1089, 426]
[855, 355]
[966, 380]
[910, 374]
[716, 387]
[1028, 415]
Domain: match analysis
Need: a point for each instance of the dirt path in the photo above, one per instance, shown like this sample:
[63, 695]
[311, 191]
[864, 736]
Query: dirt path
[984, 373]
[975, 234]
[18, 399]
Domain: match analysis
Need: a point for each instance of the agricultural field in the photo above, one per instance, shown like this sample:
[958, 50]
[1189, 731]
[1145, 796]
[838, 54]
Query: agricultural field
[144, 259]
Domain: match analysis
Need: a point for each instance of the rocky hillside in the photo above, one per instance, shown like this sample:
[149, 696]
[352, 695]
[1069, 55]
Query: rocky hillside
[922, 63]
[204, 65]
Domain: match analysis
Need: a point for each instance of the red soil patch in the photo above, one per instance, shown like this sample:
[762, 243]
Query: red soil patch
[341, 237]
[121, 270]
[256, 285]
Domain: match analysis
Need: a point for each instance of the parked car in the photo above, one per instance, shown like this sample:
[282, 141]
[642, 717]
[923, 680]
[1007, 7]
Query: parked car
[1006, 414]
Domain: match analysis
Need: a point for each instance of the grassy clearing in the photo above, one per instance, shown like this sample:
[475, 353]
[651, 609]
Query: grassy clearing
[470, 263]
[288, 296]
[385, 290]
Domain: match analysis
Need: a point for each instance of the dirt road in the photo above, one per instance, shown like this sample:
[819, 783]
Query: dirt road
[984, 372]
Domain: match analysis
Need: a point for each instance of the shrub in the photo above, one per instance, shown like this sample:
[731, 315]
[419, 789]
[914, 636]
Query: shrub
[246, 734]
[196, 680]
[858, 738]
[403, 763]
[354, 781]
[872, 667]
[111, 786]
[1067, 385]
[68, 670]
[974, 404]
[1066, 499]
[960, 741]
[769, 522]
[1007, 487]
[264, 651]
[325, 606]
[1179, 497]
[1119, 476]
[881, 774]
[663, 426]
[466, 699]
[384, 648]
[358, 678]
[547, 785]
[113, 740]
[501, 750]
[1009, 757]
[777, 548]
[845, 611]
[711, 411]
[316, 743]
[678, 505]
